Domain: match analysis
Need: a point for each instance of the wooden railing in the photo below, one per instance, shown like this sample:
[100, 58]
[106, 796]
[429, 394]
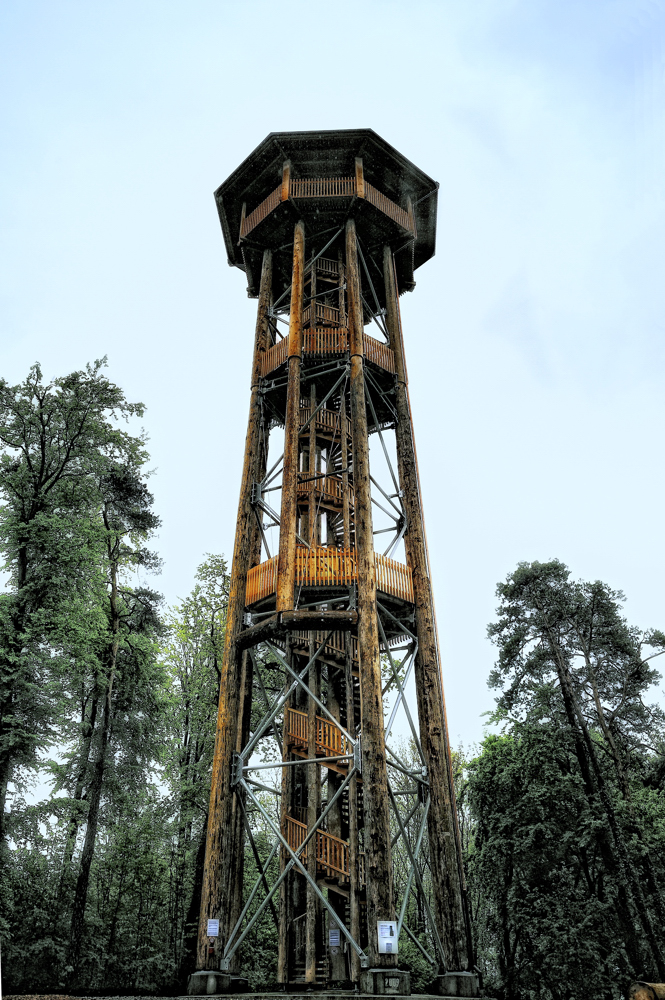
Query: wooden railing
[323, 566]
[379, 353]
[261, 581]
[330, 740]
[326, 420]
[393, 577]
[261, 211]
[323, 341]
[323, 187]
[335, 644]
[326, 315]
[275, 356]
[324, 266]
[329, 488]
[326, 187]
[332, 853]
[388, 207]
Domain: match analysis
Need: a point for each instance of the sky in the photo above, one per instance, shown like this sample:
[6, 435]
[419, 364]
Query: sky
[534, 338]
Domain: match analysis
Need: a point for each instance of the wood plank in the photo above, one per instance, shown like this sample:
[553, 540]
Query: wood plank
[286, 566]
[450, 908]
[224, 853]
[380, 902]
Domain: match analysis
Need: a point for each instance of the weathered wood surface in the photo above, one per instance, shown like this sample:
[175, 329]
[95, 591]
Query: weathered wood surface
[380, 903]
[448, 879]
[224, 853]
[290, 621]
[313, 922]
[286, 567]
[647, 991]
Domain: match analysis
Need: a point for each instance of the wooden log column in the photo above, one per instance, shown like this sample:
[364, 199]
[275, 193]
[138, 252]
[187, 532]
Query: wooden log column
[448, 886]
[313, 918]
[286, 564]
[379, 875]
[224, 856]
[285, 899]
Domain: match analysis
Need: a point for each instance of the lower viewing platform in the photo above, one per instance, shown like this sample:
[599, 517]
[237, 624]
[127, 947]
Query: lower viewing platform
[322, 566]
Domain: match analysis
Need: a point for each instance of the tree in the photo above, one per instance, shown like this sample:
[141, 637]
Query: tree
[127, 665]
[58, 440]
[568, 661]
[192, 657]
[546, 912]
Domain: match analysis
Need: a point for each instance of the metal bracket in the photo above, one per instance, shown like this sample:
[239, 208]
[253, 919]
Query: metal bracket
[225, 965]
[247, 618]
[236, 769]
[357, 756]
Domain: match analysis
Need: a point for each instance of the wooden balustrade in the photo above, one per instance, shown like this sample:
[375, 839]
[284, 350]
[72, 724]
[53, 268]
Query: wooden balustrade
[335, 646]
[330, 740]
[275, 356]
[261, 211]
[330, 421]
[329, 489]
[324, 266]
[325, 566]
[324, 314]
[323, 187]
[393, 577]
[388, 207]
[261, 581]
[324, 341]
[327, 187]
[332, 853]
[379, 353]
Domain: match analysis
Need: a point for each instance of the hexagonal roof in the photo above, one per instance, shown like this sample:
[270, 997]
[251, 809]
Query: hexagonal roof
[328, 154]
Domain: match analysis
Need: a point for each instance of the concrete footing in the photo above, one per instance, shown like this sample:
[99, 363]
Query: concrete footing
[385, 982]
[210, 982]
[458, 984]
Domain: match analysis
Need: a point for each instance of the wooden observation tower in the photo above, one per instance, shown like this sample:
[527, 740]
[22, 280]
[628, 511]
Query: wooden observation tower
[331, 630]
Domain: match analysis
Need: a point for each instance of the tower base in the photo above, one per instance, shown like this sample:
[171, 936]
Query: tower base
[211, 982]
[457, 984]
[385, 982]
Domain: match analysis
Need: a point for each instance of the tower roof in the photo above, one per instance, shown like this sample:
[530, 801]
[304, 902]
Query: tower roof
[330, 154]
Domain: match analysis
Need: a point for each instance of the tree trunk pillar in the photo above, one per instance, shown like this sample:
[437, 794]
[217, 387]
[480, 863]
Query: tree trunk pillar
[448, 883]
[286, 565]
[380, 902]
[224, 857]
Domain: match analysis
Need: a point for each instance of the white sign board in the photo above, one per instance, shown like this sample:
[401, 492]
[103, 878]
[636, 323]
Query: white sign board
[213, 928]
[334, 935]
[387, 933]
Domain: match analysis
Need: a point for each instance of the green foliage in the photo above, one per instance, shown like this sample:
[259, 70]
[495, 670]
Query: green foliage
[565, 811]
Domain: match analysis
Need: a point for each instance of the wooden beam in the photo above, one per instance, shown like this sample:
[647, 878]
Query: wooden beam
[277, 625]
[286, 565]
[286, 181]
[217, 901]
[360, 178]
[448, 887]
[380, 902]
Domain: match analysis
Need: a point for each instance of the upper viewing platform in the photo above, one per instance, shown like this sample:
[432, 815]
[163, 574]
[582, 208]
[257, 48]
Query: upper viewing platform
[325, 178]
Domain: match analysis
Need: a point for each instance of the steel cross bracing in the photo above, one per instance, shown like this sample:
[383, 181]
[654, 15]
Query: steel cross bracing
[331, 703]
[243, 770]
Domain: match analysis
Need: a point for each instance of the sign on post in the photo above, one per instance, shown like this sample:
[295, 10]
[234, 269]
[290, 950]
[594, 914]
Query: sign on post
[213, 928]
[387, 933]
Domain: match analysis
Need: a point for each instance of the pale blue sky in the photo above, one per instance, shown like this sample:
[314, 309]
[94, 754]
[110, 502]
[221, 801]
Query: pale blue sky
[534, 337]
